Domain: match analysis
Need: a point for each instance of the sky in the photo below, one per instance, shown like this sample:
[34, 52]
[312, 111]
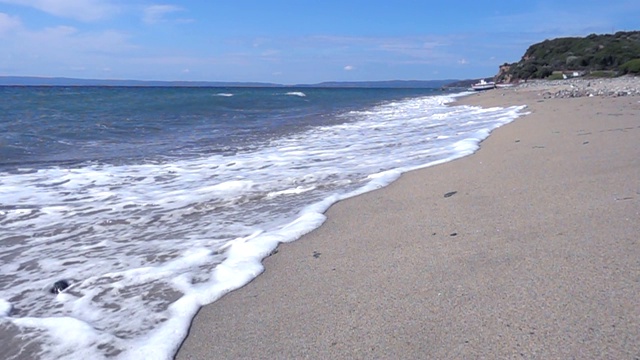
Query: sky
[288, 41]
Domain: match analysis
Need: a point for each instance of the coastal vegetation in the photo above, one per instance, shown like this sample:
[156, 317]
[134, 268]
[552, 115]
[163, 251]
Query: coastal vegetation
[595, 55]
[631, 67]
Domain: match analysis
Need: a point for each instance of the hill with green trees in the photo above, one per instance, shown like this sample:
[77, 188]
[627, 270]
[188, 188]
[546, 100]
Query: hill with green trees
[598, 55]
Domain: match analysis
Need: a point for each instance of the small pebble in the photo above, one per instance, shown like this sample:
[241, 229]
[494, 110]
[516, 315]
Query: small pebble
[449, 194]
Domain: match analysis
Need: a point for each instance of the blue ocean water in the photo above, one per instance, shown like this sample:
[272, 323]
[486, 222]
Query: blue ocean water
[70, 124]
[152, 202]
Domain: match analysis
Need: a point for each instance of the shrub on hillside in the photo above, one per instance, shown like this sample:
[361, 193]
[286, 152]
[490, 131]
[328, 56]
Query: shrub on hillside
[631, 67]
[555, 77]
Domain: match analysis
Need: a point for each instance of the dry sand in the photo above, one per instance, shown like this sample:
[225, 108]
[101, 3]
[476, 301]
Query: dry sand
[536, 255]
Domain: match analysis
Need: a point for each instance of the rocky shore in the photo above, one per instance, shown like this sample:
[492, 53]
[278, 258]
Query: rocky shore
[579, 87]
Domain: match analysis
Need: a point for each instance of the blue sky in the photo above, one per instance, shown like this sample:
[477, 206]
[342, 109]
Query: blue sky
[286, 41]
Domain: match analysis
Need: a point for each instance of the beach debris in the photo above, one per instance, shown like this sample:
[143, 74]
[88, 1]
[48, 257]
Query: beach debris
[450, 194]
[624, 198]
[453, 234]
[59, 286]
[316, 254]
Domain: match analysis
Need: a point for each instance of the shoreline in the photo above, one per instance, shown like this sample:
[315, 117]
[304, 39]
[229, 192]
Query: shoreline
[521, 259]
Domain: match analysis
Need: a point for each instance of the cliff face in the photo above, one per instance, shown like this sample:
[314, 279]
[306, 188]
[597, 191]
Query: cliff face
[607, 52]
[504, 74]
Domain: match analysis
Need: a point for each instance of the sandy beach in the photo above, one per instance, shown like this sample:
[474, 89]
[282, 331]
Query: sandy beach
[528, 249]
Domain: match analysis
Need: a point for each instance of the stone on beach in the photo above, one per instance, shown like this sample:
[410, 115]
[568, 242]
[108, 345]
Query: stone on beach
[59, 286]
[579, 87]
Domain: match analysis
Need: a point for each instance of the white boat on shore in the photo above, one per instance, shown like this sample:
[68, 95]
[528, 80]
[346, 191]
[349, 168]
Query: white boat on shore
[483, 85]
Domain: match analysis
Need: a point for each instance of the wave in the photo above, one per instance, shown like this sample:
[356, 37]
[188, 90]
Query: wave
[186, 231]
[296, 93]
[224, 94]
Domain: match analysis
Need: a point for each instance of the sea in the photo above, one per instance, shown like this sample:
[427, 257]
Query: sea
[143, 204]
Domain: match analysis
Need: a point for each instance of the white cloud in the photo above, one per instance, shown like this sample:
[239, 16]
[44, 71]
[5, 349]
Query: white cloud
[60, 50]
[8, 23]
[270, 53]
[84, 10]
[258, 42]
[349, 67]
[59, 32]
[64, 44]
[61, 39]
[417, 50]
[463, 61]
[157, 13]
[410, 46]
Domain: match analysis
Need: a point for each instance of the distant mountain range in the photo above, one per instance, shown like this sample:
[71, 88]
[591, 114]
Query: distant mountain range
[60, 81]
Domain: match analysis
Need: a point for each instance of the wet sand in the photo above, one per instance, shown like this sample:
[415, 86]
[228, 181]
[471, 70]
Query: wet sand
[534, 252]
